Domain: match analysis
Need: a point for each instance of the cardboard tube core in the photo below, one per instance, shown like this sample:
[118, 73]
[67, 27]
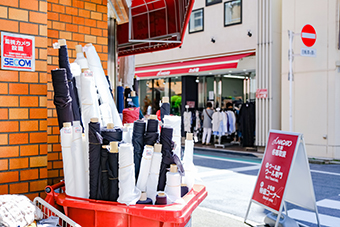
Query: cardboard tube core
[153, 116]
[67, 124]
[165, 100]
[143, 196]
[173, 168]
[62, 42]
[94, 120]
[158, 147]
[79, 49]
[113, 147]
[189, 136]
[133, 94]
[110, 125]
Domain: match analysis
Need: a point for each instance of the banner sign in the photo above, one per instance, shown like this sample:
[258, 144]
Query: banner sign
[17, 52]
[261, 93]
[272, 178]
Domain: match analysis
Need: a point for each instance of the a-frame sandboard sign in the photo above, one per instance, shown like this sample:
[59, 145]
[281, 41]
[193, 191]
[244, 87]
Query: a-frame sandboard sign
[284, 175]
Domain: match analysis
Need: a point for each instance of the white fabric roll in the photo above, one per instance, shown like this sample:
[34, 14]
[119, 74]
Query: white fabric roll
[152, 182]
[145, 168]
[173, 187]
[173, 122]
[190, 170]
[178, 148]
[129, 194]
[102, 83]
[105, 113]
[127, 133]
[66, 141]
[78, 162]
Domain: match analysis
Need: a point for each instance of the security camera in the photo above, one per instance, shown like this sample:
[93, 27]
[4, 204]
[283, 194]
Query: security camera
[249, 33]
[213, 40]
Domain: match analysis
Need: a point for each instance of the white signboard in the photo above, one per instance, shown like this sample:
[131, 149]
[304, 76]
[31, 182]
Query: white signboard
[308, 52]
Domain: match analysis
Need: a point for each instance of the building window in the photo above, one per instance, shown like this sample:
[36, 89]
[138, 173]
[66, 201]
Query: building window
[232, 12]
[212, 2]
[196, 21]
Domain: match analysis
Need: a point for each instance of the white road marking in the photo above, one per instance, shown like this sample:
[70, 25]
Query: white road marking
[310, 217]
[226, 171]
[329, 203]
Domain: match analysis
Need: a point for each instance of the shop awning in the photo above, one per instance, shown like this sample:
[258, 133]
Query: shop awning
[191, 67]
[153, 25]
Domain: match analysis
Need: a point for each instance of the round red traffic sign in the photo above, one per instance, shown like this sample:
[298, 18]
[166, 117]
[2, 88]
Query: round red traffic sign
[308, 35]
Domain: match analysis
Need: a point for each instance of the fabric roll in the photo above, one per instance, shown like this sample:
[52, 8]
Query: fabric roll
[95, 142]
[148, 201]
[135, 85]
[152, 125]
[173, 122]
[64, 63]
[161, 199]
[127, 69]
[188, 164]
[184, 190]
[104, 176]
[167, 155]
[165, 110]
[127, 133]
[105, 113]
[62, 99]
[110, 135]
[138, 143]
[120, 99]
[130, 115]
[129, 194]
[173, 186]
[102, 83]
[113, 176]
[135, 101]
[127, 92]
[66, 141]
[145, 168]
[150, 138]
[78, 162]
[152, 182]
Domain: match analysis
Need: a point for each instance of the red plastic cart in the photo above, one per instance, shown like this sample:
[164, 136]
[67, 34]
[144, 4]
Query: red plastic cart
[90, 213]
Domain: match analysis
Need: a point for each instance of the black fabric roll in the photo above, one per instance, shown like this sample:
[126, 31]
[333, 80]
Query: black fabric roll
[138, 143]
[64, 63]
[104, 194]
[109, 135]
[148, 201]
[165, 110]
[167, 156]
[184, 190]
[95, 143]
[152, 125]
[135, 85]
[150, 138]
[127, 92]
[62, 99]
[113, 176]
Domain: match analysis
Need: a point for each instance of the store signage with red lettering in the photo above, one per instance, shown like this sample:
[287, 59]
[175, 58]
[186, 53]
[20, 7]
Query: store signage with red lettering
[262, 93]
[17, 52]
[275, 168]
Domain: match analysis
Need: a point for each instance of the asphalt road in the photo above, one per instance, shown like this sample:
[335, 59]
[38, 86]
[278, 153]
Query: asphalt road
[230, 181]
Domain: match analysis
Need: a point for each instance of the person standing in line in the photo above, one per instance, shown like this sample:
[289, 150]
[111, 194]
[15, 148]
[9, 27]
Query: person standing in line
[207, 125]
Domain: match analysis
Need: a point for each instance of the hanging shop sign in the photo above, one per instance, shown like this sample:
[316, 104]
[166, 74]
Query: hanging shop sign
[262, 93]
[191, 104]
[17, 52]
[308, 37]
[284, 174]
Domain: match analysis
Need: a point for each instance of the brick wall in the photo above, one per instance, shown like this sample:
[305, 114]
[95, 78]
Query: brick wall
[79, 22]
[30, 152]
[23, 104]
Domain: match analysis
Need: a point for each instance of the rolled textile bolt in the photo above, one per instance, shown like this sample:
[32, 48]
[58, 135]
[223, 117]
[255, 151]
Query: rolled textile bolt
[133, 94]
[79, 49]
[62, 42]
[184, 189]
[143, 196]
[153, 117]
[89, 44]
[110, 125]
[67, 124]
[161, 198]
[114, 147]
[189, 136]
[94, 120]
[158, 147]
[173, 168]
[165, 100]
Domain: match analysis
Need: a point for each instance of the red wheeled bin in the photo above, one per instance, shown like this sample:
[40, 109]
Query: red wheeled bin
[98, 213]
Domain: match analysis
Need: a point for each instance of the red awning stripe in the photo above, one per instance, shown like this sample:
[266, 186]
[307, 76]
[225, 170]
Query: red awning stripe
[193, 66]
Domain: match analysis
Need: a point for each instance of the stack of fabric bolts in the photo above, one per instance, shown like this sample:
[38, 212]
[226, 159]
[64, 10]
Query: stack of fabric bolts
[104, 160]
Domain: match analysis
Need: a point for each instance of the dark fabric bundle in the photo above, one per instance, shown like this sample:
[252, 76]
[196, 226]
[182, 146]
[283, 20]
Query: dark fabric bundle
[165, 110]
[104, 184]
[64, 63]
[109, 135]
[127, 92]
[247, 124]
[62, 99]
[120, 99]
[95, 143]
[138, 143]
[151, 134]
[113, 176]
[135, 85]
